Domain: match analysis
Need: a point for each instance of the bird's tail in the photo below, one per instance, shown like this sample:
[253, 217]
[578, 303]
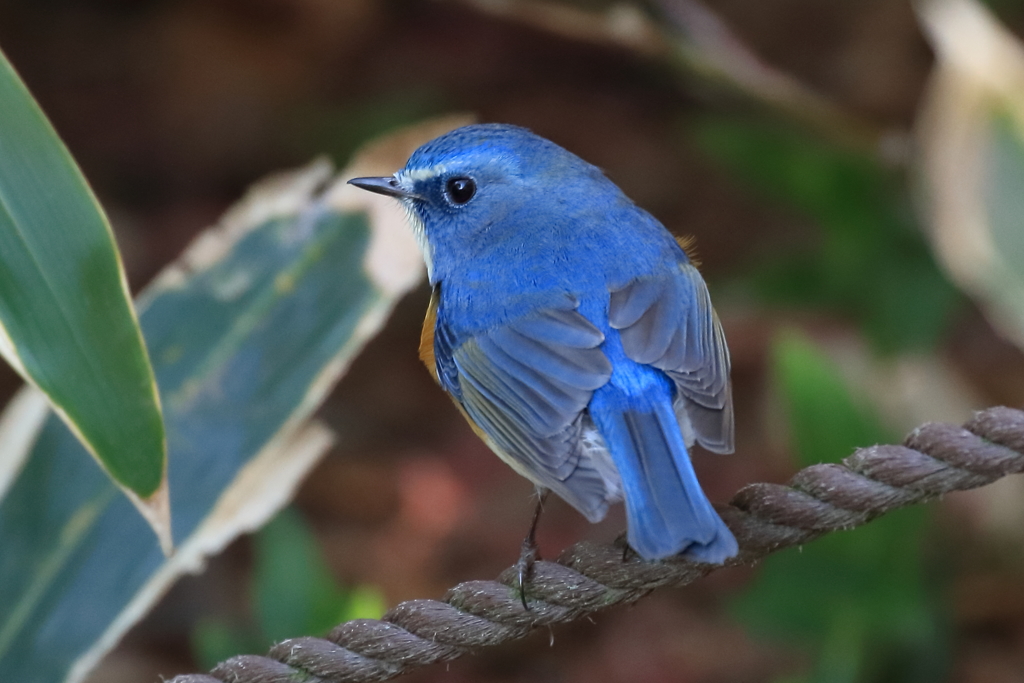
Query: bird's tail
[666, 508]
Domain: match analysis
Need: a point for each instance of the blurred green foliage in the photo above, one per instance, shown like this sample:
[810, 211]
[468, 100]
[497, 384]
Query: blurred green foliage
[869, 261]
[1004, 201]
[1006, 9]
[861, 601]
[293, 594]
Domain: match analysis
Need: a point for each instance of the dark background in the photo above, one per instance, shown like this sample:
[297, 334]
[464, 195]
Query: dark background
[172, 108]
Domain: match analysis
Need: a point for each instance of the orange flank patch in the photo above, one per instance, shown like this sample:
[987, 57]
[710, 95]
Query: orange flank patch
[689, 246]
[427, 356]
[427, 337]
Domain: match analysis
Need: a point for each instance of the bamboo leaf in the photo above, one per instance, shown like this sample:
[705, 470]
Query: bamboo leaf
[66, 320]
[248, 332]
[971, 166]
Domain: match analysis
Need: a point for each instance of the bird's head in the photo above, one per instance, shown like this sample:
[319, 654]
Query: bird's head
[460, 188]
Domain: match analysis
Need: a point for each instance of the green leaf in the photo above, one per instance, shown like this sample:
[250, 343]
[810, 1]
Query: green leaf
[861, 600]
[825, 421]
[214, 640]
[293, 594]
[66, 320]
[293, 589]
[869, 261]
[248, 333]
[1004, 199]
[364, 602]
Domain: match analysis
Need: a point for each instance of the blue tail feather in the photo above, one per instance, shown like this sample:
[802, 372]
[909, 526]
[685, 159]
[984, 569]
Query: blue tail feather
[666, 508]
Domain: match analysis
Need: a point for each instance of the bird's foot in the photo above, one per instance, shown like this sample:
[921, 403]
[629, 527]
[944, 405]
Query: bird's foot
[524, 566]
[627, 550]
[528, 553]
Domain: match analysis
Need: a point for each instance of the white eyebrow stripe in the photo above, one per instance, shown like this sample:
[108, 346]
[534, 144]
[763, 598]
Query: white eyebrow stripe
[424, 173]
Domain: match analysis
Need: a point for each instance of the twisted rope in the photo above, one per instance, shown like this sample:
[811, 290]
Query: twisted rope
[933, 460]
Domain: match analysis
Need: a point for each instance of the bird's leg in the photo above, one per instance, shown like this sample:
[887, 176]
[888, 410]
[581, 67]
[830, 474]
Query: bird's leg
[627, 552]
[528, 551]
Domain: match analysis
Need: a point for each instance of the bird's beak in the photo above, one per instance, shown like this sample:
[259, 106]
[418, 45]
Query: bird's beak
[387, 186]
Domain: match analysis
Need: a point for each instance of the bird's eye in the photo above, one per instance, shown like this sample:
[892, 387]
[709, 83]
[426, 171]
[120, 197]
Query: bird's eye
[460, 190]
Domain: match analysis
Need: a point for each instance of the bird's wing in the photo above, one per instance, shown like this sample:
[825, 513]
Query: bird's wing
[525, 386]
[668, 322]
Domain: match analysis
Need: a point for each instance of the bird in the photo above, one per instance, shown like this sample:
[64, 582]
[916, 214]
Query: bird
[572, 330]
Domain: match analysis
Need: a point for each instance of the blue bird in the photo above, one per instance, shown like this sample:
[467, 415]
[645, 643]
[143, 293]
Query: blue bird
[572, 330]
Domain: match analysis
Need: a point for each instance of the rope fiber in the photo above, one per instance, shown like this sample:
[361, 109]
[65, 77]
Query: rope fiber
[934, 459]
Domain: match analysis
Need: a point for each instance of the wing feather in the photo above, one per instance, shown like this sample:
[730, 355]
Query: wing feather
[668, 322]
[627, 305]
[561, 327]
[526, 386]
[579, 367]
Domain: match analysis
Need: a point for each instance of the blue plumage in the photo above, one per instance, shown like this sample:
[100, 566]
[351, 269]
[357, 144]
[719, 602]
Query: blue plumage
[572, 330]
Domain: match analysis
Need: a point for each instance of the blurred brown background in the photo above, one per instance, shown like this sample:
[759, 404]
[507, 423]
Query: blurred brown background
[173, 107]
